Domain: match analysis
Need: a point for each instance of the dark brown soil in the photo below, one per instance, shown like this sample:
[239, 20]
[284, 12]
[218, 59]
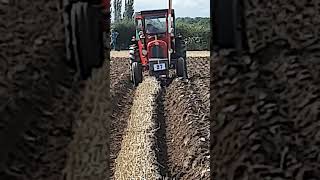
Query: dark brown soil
[265, 115]
[35, 91]
[187, 123]
[294, 23]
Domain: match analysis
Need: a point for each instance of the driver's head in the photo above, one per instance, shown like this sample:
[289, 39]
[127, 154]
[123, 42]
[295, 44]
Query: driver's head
[150, 28]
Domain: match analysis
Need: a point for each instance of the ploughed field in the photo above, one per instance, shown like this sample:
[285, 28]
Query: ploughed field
[161, 128]
[266, 114]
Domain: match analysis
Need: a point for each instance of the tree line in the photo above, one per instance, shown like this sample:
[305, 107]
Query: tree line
[116, 10]
[196, 31]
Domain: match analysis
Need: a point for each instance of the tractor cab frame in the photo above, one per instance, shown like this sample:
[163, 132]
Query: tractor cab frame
[156, 47]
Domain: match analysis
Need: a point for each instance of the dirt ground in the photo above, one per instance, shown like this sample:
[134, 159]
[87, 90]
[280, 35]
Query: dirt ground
[266, 115]
[183, 109]
[122, 98]
[36, 91]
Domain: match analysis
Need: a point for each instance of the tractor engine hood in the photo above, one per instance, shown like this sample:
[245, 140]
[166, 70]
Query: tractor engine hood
[157, 49]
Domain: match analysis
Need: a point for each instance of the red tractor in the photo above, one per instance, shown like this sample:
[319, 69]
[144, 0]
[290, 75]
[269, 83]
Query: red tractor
[155, 47]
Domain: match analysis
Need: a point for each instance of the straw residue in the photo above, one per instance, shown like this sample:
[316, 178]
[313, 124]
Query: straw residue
[137, 158]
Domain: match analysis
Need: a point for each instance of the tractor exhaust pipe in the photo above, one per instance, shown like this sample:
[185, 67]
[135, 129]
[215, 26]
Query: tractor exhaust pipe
[169, 30]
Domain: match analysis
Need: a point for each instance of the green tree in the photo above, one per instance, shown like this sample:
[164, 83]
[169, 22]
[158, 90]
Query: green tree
[117, 4]
[129, 10]
[126, 30]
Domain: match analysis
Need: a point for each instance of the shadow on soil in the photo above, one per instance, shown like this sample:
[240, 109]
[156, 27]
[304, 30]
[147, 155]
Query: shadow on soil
[162, 154]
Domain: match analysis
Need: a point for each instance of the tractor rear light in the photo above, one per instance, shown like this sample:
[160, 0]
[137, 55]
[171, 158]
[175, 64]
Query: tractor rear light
[144, 52]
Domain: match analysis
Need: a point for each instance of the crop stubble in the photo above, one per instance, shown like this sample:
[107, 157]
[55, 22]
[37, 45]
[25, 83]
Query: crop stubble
[88, 151]
[137, 158]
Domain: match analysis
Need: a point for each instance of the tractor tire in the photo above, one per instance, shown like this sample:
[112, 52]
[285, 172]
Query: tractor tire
[80, 65]
[87, 41]
[83, 39]
[130, 68]
[78, 40]
[95, 29]
[223, 28]
[228, 26]
[181, 68]
[238, 25]
[181, 48]
[136, 73]
[132, 59]
[68, 34]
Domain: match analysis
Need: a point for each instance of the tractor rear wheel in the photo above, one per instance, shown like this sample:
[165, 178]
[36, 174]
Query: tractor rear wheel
[132, 59]
[76, 24]
[223, 27]
[181, 48]
[181, 68]
[228, 26]
[136, 73]
[84, 41]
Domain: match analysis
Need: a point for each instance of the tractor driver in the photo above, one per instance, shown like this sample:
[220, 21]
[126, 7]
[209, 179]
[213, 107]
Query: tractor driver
[151, 29]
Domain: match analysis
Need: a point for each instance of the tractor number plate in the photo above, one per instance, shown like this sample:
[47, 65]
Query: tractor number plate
[159, 67]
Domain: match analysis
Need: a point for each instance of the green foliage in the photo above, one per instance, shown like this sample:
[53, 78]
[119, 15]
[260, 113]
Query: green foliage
[117, 10]
[196, 32]
[126, 30]
[128, 9]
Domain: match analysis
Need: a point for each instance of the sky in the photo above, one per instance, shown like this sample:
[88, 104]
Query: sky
[182, 8]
